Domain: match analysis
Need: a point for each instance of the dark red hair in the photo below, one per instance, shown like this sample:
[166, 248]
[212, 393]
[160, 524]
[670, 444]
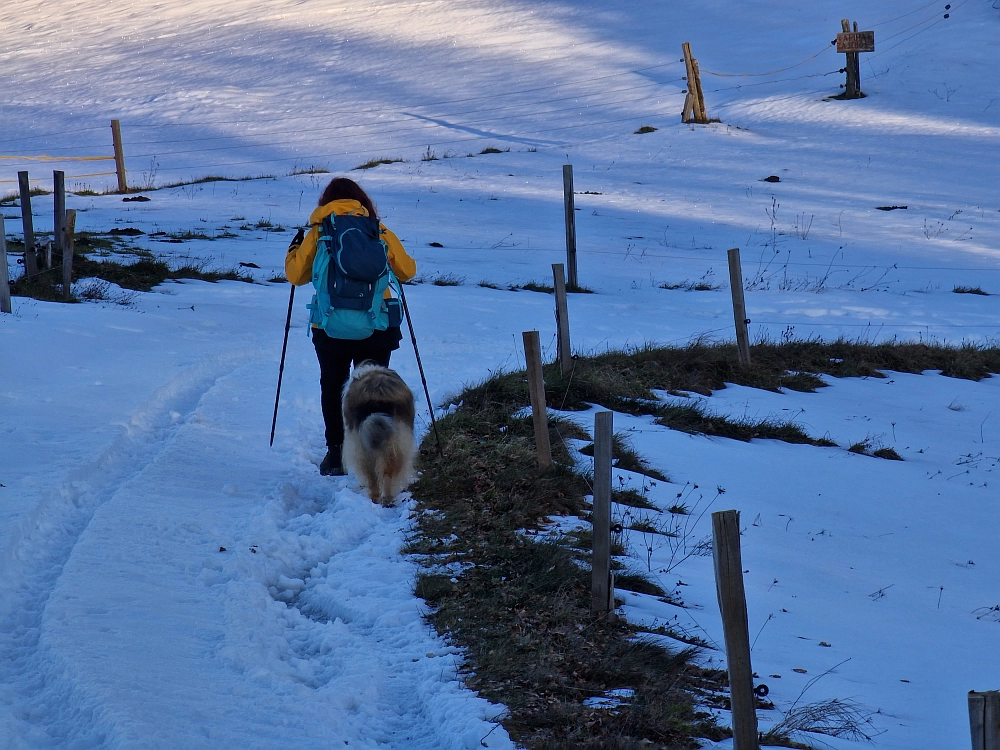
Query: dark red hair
[341, 188]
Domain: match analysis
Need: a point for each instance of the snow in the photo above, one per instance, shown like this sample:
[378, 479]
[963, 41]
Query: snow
[134, 437]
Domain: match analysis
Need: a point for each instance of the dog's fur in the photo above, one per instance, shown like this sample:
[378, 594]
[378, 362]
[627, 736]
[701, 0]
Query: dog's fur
[378, 431]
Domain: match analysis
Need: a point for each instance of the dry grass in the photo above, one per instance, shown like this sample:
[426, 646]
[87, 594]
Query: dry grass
[520, 607]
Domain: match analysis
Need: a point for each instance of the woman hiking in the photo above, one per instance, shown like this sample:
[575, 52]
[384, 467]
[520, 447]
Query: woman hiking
[338, 346]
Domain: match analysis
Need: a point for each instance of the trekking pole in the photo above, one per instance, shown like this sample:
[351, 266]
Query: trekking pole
[281, 368]
[420, 366]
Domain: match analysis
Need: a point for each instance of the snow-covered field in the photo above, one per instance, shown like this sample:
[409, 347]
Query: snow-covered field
[135, 437]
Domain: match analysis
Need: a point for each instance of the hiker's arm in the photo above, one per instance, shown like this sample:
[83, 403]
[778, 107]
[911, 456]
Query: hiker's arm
[299, 261]
[402, 264]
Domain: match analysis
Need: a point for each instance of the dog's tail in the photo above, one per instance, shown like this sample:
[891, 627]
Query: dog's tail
[376, 431]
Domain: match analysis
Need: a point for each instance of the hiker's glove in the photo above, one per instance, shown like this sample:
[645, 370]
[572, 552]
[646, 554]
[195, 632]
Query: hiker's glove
[296, 240]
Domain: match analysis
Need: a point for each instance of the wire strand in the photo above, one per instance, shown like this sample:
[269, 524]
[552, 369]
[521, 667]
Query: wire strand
[769, 73]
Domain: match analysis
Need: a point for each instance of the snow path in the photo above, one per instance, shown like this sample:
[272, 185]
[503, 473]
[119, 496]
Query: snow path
[302, 633]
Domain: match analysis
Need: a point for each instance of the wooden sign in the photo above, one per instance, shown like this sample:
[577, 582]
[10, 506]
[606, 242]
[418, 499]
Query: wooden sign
[856, 41]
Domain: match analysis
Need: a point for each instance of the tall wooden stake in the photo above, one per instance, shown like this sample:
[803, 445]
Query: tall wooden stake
[562, 320]
[739, 307]
[68, 247]
[4, 272]
[600, 592]
[694, 102]
[853, 88]
[58, 213]
[733, 604]
[536, 387]
[984, 719]
[27, 223]
[569, 206]
[116, 137]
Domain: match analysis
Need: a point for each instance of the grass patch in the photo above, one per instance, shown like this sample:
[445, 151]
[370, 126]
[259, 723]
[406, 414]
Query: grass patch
[141, 276]
[970, 290]
[488, 285]
[645, 129]
[495, 150]
[871, 446]
[448, 279]
[626, 458]
[577, 289]
[372, 163]
[14, 198]
[692, 286]
[534, 286]
[521, 610]
[308, 170]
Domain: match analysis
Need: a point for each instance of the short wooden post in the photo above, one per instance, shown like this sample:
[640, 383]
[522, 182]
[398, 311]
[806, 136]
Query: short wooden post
[68, 246]
[569, 207]
[27, 223]
[4, 272]
[116, 137]
[739, 307]
[733, 605]
[601, 594]
[536, 387]
[58, 213]
[984, 719]
[562, 320]
[852, 88]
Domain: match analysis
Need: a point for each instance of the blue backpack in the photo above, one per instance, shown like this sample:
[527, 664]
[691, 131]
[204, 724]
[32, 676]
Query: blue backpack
[351, 273]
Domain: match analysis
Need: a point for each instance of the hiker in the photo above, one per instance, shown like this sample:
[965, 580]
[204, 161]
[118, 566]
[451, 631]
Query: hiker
[340, 335]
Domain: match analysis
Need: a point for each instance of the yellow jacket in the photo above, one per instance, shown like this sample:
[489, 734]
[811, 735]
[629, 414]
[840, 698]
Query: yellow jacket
[299, 261]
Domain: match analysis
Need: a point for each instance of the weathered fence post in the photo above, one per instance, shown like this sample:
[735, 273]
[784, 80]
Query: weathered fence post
[68, 246]
[694, 102]
[4, 272]
[562, 320]
[536, 387]
[733, 604]
[116, 137]
[27, 223]
[984, 719]
[601, 593]
[739, 306]
[58, 216]
[569, 206]
[853, 88]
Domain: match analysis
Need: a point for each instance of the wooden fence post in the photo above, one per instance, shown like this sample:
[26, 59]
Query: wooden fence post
[601, 593]
[4, 272]
[68, 246]
[562, 320]
[27, 223]
[733, 604]
[984, 719]
[694, 102]
[739, 306]
[58, 214]
[116, 137]
[569, 207]
[536, 387]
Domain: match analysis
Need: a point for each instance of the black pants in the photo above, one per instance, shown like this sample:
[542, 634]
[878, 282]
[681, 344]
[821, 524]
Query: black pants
[335, 358]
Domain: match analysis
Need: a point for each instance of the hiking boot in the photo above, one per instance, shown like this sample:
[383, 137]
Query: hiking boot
[331, 467]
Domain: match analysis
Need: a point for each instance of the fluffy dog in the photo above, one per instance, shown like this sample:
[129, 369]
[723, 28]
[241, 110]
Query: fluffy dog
[378, 436]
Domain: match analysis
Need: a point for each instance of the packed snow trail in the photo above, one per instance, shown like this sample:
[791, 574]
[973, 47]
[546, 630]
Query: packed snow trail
[190, 587]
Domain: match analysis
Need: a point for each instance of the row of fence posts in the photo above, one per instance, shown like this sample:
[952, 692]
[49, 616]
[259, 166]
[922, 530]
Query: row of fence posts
[64, 230]
[64, 225]
[984, 707]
